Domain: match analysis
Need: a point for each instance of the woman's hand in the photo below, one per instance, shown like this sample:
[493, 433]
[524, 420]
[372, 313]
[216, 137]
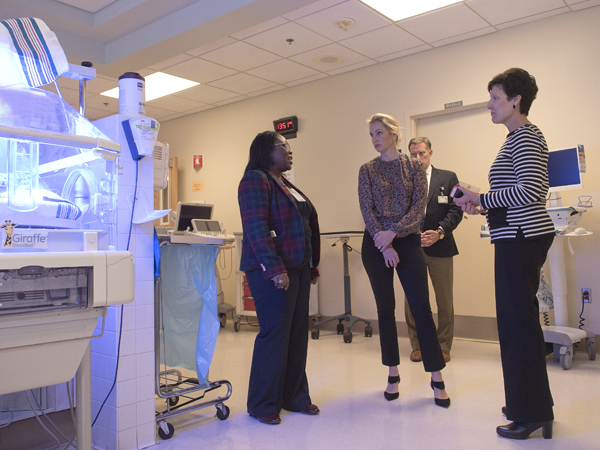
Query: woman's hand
[383, 239]
[391, 257]
[469, 202]
[281, 281]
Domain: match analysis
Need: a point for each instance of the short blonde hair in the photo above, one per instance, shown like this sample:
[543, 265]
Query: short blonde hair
[389, 123]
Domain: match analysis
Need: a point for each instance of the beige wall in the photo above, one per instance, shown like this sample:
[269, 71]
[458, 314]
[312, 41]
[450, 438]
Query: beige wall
[333, 142]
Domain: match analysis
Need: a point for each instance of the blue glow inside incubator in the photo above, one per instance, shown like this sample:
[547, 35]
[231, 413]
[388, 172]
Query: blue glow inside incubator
[57, 171]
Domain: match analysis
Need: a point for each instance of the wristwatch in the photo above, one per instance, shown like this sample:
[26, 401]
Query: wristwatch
[440, 231]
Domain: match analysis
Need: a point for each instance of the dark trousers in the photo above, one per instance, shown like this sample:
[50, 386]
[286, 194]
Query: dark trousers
[522, 348]
[278, 374]
[413, 276]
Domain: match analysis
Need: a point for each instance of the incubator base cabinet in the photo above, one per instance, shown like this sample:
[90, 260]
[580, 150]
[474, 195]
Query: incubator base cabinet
[49, 307]
[244, 304]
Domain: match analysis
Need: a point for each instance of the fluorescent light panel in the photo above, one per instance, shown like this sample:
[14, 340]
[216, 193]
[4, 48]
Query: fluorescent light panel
[158, 85]
[403, 9]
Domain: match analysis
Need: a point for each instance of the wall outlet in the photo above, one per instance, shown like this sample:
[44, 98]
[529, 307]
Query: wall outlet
[586, 295]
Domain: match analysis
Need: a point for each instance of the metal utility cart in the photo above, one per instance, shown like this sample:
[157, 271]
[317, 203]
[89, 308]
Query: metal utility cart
[182, 394]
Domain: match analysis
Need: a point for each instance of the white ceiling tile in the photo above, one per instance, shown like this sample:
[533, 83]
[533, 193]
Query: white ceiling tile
[240, 56]
[275, 40]
[103, 103]
[199, 70]
[528, 19]
[576, 5]
[173, 103]
[232, 100]
[444, 23]
[100, 84]
[329, 58]
[312, 8]
[157, 113]
[65, 82]
[463, 37]
[410, 51]
[501, 11]
[203, 108]
[170, 62]
[369, 62]
[382, 41]
[282, 71]
[277, 21]
[307, 80]
[242, 83]
[212, 46]
[266, 91]
[323, 22]
[206, 94]
[172, 117]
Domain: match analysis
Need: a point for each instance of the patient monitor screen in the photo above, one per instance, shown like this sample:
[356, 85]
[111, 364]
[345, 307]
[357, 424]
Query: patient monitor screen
[206, 225]
[189, 211]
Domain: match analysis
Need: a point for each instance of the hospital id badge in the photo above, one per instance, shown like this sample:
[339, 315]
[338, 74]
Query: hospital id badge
[443, 199]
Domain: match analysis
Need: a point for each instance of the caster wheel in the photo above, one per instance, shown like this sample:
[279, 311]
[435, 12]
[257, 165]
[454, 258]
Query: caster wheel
[173, 401]
[566, 358]
[591, 347]
[368, 331]
[236, 326]
[223, 320]
[314, 333]
[340, 328]
[222, 411]
[169, 434]
[348, 337]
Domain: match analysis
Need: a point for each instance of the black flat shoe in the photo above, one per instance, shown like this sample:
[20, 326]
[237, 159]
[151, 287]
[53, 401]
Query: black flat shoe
[515, 430]
[389, 396]
[443, 402]
[504, 410]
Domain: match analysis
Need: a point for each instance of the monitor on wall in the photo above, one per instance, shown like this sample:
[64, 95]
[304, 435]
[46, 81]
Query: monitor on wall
[187, 211]
[564, 168]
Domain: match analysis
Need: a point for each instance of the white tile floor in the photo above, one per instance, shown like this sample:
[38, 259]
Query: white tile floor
[347, 382]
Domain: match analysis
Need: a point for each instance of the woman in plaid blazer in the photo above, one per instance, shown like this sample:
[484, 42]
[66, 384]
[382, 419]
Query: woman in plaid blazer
[280, 254]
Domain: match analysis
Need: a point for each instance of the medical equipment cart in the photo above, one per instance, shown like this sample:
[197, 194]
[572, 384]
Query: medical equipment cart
[170, 383]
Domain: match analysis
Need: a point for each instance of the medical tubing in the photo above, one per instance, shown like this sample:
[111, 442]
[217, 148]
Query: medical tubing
[38, 418]
[69, 441]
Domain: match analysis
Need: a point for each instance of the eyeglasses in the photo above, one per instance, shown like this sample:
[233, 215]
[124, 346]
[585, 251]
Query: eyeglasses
[285, 145]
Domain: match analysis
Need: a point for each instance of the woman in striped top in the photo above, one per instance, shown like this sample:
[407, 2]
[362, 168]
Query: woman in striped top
[522, 233]
[392, 189]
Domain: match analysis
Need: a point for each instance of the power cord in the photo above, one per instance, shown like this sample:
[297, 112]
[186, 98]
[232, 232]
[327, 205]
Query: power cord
[122, 306]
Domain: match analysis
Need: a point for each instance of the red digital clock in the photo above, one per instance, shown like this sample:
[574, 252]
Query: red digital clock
[288, 126]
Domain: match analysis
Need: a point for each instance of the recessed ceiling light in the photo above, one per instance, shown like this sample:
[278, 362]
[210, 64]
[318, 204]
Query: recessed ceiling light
[402, 9]
[158, 85]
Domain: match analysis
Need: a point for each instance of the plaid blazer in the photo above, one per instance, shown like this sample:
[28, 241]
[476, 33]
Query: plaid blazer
[267, 205]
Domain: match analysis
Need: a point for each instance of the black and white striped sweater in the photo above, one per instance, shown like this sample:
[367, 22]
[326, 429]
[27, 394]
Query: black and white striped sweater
[518, 187]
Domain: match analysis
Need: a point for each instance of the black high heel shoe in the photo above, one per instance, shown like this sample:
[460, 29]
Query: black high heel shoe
[389, 396]
[515, 430]
[443, 402]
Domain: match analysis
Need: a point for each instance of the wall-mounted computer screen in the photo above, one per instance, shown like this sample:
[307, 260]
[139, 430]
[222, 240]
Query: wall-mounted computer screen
[563, 169]
[188, 211]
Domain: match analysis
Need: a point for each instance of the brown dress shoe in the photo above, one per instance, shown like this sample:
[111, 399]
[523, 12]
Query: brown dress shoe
[446, 356]
[271, 419]
[415, 356]
[311, 410]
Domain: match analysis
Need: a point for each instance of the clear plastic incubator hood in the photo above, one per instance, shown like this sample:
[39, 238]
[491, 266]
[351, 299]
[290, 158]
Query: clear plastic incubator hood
[56, 169]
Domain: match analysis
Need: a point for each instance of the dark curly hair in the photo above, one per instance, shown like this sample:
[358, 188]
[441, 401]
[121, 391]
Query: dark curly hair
[515, 82]
[261, 151]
